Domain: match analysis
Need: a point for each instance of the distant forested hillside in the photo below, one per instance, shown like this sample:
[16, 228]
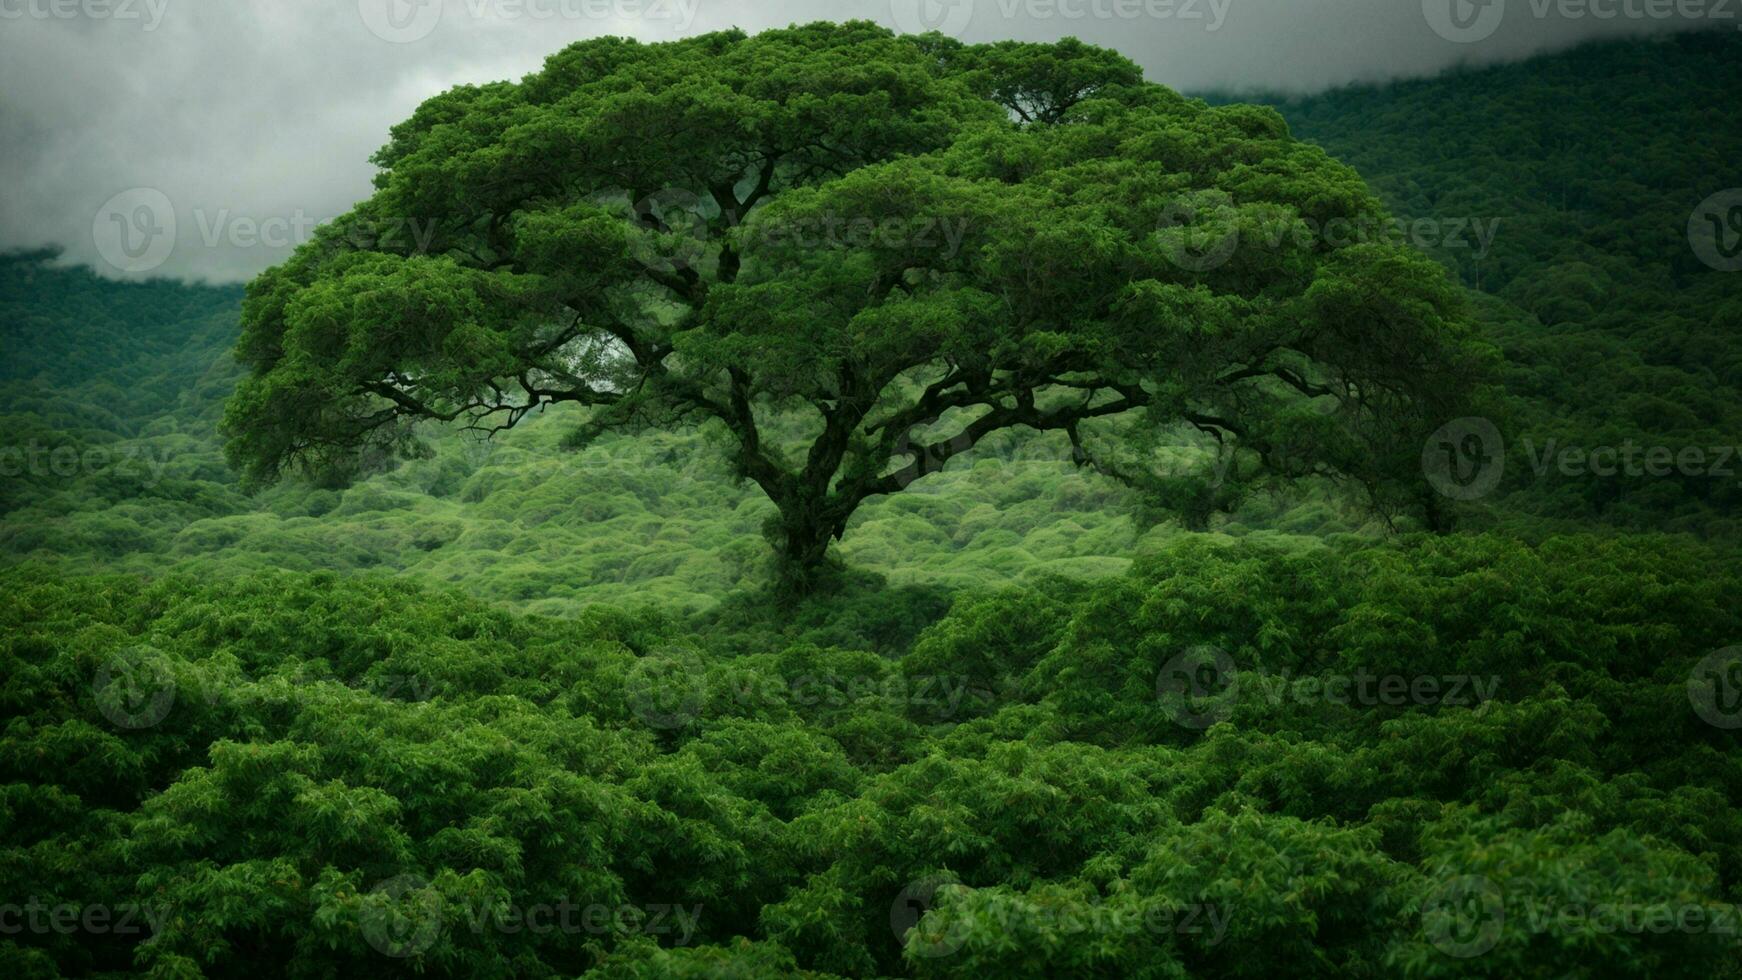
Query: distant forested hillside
[109, 398]
[1593, 162]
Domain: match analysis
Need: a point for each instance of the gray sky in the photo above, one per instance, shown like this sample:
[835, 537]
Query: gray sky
[238, 124]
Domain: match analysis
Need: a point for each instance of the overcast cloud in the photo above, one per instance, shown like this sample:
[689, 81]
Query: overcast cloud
[238, 124]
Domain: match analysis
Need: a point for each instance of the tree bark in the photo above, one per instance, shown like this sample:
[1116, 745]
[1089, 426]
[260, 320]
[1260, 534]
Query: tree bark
[801, 536]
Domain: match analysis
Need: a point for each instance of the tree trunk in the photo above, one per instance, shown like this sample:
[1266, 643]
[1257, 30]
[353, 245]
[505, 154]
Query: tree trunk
[801, 535]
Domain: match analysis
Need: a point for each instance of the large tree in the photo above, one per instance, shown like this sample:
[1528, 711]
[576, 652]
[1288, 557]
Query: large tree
[906, 242]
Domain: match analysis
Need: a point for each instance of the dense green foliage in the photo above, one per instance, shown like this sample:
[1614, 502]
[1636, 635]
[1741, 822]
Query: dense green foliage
[290, 742]
[516, 709]
[116, 385]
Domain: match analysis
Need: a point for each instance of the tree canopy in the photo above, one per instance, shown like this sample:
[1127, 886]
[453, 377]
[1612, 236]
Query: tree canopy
[910, 242]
